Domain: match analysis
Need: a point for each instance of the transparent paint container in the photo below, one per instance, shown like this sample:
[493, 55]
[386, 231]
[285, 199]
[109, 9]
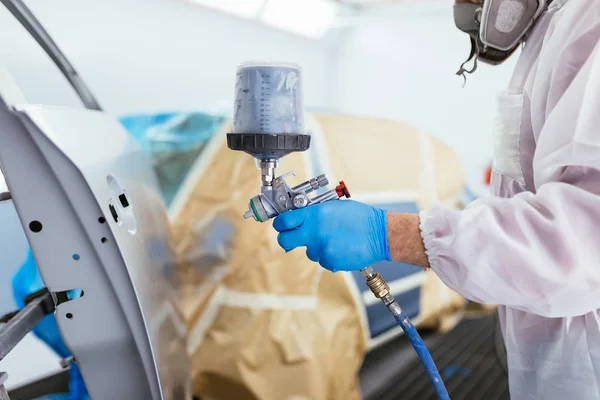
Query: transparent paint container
[268, 99]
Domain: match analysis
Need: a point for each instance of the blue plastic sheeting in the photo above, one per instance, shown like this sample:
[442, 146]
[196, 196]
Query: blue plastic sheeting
[26, 281]
[174, 141]
[138, 124]
[172, 131]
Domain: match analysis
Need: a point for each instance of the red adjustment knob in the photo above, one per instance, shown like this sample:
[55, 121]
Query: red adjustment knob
[342, 190]
[487, 175]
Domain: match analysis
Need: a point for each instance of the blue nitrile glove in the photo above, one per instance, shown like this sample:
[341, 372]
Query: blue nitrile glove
[342, 235]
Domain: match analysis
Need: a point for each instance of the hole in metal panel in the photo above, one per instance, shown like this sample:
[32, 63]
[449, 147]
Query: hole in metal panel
[35, 226]
[123, 199]
[121, 206]
[113, 212]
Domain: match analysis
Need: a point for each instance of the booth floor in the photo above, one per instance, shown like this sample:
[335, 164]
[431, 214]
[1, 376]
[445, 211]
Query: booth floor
[471, 360]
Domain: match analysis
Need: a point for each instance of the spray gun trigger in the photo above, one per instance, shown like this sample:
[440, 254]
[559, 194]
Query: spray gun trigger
[289, 173]
[280, 179]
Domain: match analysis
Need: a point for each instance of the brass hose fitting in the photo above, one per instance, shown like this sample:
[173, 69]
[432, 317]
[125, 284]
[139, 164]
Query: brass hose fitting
[378, 286]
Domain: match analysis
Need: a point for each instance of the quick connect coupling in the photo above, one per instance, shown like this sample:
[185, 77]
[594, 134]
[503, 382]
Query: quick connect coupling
[376, 283]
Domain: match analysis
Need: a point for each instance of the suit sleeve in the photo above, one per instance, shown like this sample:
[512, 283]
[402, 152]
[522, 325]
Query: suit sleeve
[539, 252]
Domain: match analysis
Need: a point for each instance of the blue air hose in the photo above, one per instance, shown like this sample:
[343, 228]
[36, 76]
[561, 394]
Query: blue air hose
[382, 291]
[419, 346]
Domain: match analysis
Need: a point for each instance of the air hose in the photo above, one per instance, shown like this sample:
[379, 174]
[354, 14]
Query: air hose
[381, 290]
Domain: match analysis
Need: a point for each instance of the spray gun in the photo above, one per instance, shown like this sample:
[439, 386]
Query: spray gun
[268, 123]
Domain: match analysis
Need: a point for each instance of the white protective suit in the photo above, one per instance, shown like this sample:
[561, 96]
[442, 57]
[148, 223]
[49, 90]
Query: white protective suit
[535, 248]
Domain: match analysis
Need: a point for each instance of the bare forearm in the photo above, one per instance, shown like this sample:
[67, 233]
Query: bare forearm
[404, 239]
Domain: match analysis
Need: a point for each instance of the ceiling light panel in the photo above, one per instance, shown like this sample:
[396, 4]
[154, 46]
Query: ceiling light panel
[241, 8]
[311, 18]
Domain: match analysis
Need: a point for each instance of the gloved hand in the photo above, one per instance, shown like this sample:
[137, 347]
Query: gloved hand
[342, 235]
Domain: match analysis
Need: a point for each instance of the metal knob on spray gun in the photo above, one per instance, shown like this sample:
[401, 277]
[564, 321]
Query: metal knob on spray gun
[268, 123]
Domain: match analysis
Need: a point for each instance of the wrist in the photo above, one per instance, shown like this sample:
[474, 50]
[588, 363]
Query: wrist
[404, 239]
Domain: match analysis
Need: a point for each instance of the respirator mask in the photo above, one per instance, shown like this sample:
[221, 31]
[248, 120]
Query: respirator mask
[496, 28]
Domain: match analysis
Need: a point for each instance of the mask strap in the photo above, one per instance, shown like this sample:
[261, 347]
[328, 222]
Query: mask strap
[462, 70]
